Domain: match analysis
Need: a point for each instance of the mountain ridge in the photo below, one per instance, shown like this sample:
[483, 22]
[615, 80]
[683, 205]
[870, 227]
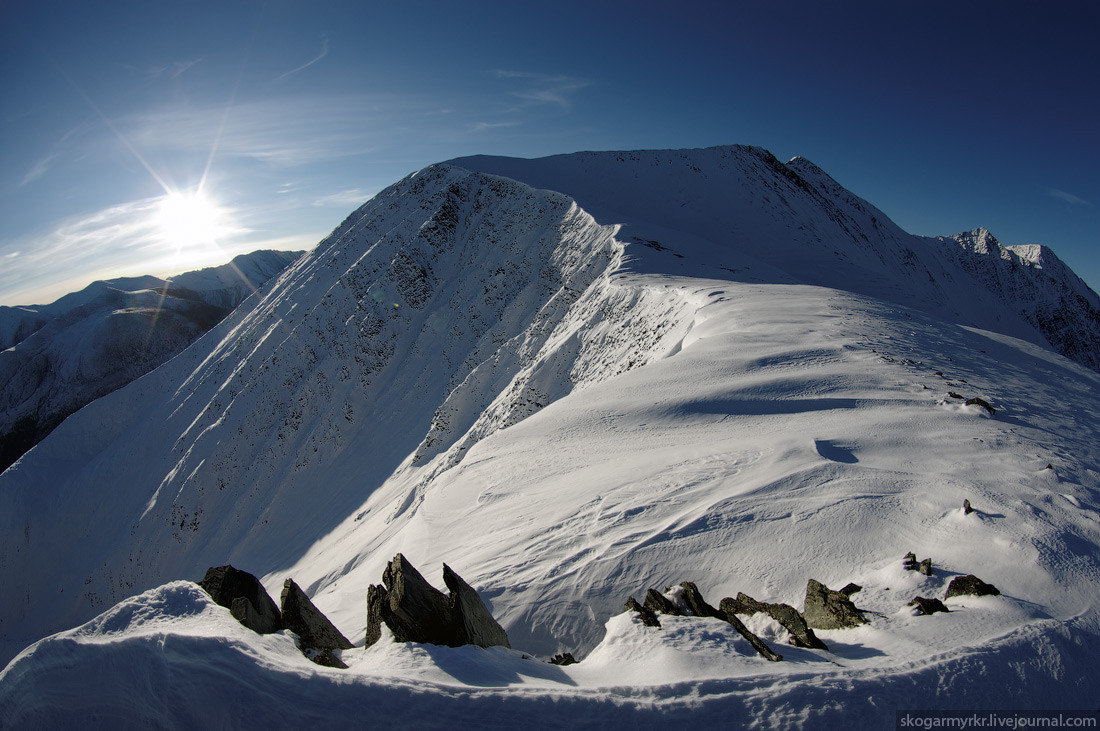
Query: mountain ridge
[61, 356]
[569, 405]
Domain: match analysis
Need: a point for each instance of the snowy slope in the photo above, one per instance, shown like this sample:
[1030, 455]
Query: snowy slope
[745, 214]
[568, 407]
[61, 356]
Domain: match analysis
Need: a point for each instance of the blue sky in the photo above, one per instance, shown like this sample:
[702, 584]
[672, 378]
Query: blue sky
[946, 115]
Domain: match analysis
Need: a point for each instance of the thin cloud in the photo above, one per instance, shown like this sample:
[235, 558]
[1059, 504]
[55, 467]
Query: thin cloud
[544, 89]
[344, 198]
[172, 70]
[1067, 197]
[44, 163]
[39, 169]
[483, 126]
[281, 132]
[114, 241]
[307, 64]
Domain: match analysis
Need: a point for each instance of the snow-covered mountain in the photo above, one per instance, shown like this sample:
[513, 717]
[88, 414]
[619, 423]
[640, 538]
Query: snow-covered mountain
[58, 357]
[572, 379]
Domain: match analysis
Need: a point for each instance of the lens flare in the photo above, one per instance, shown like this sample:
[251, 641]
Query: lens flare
[190, 220]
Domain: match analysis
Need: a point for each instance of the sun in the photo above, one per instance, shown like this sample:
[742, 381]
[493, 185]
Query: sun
[190, 220]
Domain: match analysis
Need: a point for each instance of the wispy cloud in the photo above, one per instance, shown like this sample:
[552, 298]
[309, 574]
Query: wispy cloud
[283, 131]
[170, 70]
[40, 167]
[344, 198]
[483, 126]
[114, 241]
[543, 89]
[43, 164]
[1067, 197]
[307, 64]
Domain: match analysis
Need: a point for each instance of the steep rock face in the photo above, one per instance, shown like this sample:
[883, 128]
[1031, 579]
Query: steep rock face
[61, 356]
[450, 306]
[1035, 284]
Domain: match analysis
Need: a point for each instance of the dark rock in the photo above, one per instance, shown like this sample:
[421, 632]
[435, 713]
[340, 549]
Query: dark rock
[910, 562]
[328, 658]
[828, 609]
[926, 567]
[850, 589]
[565, 658]
[927, 606]
[758, 644]
[377, 598]
[649, 617]
[313, 628]
[243, 611]
[789, 617]
[967, 510]
[244, 596]
[970, 585]
[473, 623]
[952, 394]
[415, 611]
[978, 401]
[695, 602]
[655, 601]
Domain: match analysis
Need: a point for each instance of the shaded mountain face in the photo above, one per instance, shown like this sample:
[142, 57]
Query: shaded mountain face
[577, 374]
[59, 357]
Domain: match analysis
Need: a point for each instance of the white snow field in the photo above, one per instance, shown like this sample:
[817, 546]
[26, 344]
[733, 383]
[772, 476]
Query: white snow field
[721, 372]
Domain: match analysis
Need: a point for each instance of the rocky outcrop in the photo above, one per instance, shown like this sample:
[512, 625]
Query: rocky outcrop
[473, 623]
[970, 585]
[415, 611]
[925, 605]
[655, 601]
[244, 596]
[910, 563]
[828, 609]
[648, 616]
[790, 618]
[694, 604]
[318, 637]
[979, 401]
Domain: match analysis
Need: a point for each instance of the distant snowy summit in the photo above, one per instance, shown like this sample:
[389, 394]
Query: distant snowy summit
[738, 211]
[58, 357]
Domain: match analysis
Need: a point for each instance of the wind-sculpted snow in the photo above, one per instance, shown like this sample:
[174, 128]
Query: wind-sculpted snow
[571, 399]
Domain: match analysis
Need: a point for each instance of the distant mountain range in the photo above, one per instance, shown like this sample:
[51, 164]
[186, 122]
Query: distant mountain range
[56, 358]
[574, 379]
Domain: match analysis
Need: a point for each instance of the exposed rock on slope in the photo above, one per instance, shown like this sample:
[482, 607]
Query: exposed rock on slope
[415, 611]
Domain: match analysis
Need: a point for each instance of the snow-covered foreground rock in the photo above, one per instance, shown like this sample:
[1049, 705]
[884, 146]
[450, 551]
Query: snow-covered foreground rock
[473, 371]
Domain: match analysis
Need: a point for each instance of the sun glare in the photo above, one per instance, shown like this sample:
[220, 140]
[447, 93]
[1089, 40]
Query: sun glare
[190, 220]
